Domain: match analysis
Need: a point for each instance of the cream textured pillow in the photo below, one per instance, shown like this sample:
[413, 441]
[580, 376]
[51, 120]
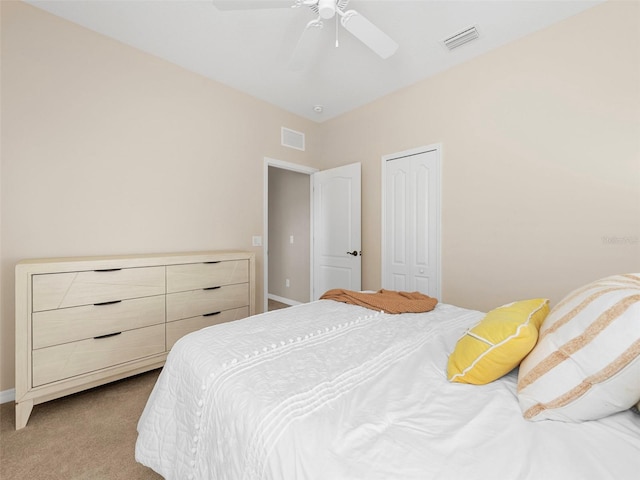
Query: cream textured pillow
[498, 343]
[586, 364]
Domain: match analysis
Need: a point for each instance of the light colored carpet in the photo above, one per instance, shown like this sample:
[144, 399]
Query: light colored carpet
[275, 305]
[86, 436]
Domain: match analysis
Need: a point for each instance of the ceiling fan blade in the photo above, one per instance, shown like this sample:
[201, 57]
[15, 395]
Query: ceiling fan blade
[368, 33]
[251, 4]
[306, 46]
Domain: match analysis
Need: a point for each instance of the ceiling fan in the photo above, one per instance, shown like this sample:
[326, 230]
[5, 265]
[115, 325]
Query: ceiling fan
[352, 21]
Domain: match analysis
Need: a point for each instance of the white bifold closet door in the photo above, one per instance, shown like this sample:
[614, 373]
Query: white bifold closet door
[411, 221]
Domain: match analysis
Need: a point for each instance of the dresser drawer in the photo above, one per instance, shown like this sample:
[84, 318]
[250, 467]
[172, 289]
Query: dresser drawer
[202, 275]
[52, 327]
[199, 302]
[69, 359]
[70, 289]
[179, 328]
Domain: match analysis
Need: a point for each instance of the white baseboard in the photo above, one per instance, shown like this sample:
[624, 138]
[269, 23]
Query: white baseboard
[286, 301]
[8, 396]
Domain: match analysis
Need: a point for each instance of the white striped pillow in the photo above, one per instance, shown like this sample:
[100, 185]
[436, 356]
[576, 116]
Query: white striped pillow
[586, 364]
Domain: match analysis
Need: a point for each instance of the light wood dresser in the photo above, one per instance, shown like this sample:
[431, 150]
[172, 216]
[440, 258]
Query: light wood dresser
[86, 321]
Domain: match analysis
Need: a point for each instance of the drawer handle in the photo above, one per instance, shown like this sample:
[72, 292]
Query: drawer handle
[215, 261]
[107, 335]
[106, 303]
[108, 270]
[211, 314]
[211, 288]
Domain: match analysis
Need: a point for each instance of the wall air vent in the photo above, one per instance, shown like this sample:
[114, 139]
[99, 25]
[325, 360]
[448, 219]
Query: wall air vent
[460, 38]
[292, 139]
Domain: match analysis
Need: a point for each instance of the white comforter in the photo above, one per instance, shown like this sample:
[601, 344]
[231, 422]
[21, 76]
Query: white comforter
[333, 391]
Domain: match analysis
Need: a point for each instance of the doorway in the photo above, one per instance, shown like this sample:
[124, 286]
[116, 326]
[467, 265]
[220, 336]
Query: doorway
[287, 233]
[330, 229]
[289, 237]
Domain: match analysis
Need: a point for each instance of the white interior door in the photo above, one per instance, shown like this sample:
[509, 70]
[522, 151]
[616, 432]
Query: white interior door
[411, 221]
[336, 226]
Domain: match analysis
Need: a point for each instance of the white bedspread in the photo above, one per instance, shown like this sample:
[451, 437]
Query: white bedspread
[334, 391]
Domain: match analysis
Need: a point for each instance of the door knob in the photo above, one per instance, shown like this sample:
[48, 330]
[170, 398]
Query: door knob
[354, 253]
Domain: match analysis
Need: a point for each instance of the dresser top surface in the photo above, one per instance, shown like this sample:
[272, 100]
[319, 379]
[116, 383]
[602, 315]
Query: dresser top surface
[128, 261]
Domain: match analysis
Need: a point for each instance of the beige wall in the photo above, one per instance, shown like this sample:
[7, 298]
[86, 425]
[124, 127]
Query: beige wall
[107, 150]
[541, 160]
[289, 214]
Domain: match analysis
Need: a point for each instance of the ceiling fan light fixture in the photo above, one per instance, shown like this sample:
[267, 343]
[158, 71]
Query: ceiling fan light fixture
[326, 8]
[368, 33]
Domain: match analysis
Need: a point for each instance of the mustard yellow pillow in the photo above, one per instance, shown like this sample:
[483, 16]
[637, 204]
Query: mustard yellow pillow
[498, 343]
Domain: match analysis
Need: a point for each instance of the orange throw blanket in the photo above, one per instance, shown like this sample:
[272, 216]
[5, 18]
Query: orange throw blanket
[389, 301]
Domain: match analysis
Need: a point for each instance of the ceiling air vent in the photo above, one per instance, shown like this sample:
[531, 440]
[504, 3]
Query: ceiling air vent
[460, 38]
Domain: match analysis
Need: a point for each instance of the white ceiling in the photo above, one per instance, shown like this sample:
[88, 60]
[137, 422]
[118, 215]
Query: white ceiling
[249, 49]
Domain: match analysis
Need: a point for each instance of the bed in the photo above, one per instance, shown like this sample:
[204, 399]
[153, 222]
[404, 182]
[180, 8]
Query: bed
[328, 390]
